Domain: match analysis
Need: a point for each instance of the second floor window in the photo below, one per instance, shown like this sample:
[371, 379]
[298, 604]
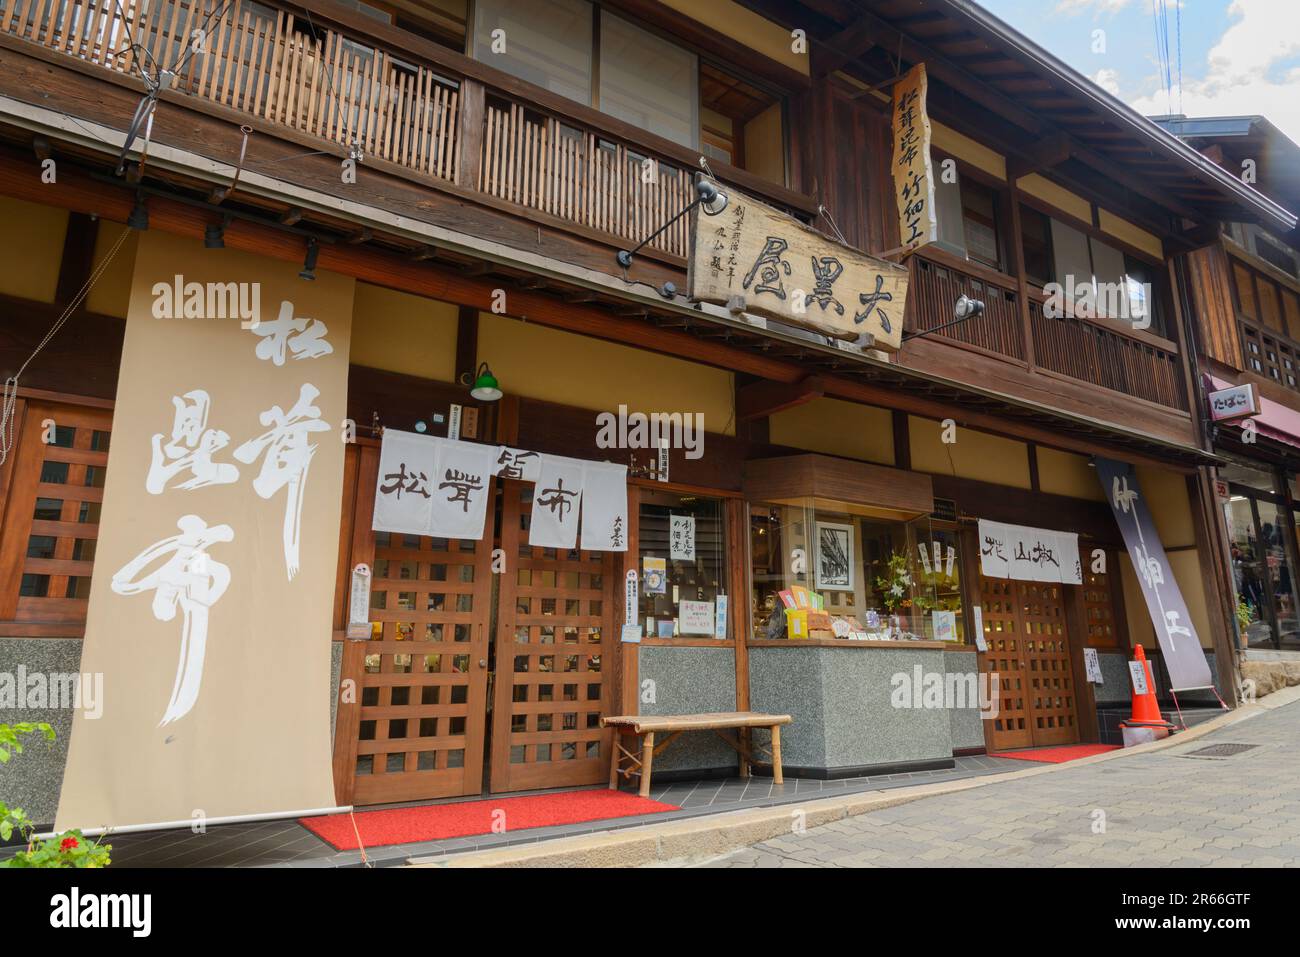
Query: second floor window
[967, 213]
[595, 58]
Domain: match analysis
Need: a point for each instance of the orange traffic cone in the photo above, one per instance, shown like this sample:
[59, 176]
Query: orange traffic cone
[1146, 711]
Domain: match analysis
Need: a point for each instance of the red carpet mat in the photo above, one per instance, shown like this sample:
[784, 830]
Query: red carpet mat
[436, 822]
[1057, 755]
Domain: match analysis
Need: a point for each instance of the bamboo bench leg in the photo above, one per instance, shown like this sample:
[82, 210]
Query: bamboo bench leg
[647, 757]
[614, 761]
[777, 776]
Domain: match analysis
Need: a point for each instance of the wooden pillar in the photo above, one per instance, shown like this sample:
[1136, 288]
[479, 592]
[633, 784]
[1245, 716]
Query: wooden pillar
[627, 664]
[469, 129]
[1017, 256]
[1216, 578]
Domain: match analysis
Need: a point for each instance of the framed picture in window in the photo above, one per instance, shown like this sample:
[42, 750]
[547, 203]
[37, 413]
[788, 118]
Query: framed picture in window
[834, 557]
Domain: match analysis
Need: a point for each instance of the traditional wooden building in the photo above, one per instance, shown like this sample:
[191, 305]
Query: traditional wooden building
[433, 195]
[1246, 293]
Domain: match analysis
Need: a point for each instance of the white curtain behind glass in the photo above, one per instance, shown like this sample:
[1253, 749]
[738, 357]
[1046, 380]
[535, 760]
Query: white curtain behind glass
[648, 82]
[547, 42]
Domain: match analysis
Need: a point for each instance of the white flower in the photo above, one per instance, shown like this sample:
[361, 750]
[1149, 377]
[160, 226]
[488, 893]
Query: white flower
[896, 590]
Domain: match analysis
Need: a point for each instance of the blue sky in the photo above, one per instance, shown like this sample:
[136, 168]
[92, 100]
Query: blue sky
[1238, 56]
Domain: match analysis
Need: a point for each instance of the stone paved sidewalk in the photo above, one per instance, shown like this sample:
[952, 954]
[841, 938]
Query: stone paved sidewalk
[1156, 809]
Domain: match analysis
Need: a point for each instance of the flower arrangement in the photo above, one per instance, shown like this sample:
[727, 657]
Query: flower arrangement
[895, 583]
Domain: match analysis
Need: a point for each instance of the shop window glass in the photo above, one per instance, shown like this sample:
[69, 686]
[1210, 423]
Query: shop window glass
[683, 560]
[1274, 525]
[837, 575]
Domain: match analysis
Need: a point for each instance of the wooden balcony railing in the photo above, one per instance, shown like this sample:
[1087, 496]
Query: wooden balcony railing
[540, 162]
[1095, 351]
[292, 71]
[938, 283]
[1114, 359]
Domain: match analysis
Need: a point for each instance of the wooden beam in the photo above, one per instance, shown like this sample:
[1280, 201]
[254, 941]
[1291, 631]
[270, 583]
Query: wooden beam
[760, 399]
[78, 256]
[466, 343]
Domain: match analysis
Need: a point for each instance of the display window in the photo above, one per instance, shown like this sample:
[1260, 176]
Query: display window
[683, 566]
[823, 574]
[1263, 547]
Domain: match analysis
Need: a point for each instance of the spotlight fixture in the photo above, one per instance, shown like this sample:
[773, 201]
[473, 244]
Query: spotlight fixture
[139, 218]
[712, 199]
[708, 196]
[309, 261]
[967, 308]
[485, 388]
[964, 308]
[214, 236]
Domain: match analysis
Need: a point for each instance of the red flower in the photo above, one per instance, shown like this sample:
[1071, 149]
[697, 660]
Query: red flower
[69, 843]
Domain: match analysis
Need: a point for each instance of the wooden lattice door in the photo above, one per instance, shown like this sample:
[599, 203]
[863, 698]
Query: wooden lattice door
[1011, 727]
[554, 636]
[1029, 651]
[51, 489]
[423, 687]
[1047, 652]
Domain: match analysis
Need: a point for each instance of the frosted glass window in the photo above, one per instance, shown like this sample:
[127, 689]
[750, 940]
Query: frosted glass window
[1070, 255]
[649, 82]
[948, 212]
[1108, 267]
[547, 42]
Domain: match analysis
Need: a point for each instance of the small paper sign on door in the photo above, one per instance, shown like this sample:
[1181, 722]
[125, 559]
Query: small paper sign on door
[1092, 665]
[359, 604]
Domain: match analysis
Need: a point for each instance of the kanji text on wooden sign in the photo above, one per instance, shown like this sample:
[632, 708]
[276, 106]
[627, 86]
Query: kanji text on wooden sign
[913, 173]
[782, 268]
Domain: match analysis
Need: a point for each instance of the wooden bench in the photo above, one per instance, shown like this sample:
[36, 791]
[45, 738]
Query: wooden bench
[673, 725]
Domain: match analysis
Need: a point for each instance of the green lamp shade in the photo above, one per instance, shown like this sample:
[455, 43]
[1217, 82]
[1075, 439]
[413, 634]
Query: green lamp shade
[486, 388]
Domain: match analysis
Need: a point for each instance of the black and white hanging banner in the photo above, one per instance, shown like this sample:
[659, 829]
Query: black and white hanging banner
[404, 495]
[432, 486]
[1184, 658]
[1029, 554]
[557, 496]
[604, 507]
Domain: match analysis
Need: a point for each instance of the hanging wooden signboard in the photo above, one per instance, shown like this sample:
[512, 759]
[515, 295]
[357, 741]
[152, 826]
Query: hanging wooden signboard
[761, 260]
[913, 173]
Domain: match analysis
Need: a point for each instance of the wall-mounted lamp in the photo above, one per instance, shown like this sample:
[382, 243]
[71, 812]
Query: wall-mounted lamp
[485, 387]
[707, 196]
[964, 308]
[309, 261]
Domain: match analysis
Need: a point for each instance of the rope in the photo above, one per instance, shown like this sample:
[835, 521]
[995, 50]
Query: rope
[361, 847]
[9, 403]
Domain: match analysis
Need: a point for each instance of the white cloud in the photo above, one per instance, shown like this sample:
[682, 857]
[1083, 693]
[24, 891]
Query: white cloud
[1247, 70]
[1108, 80]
